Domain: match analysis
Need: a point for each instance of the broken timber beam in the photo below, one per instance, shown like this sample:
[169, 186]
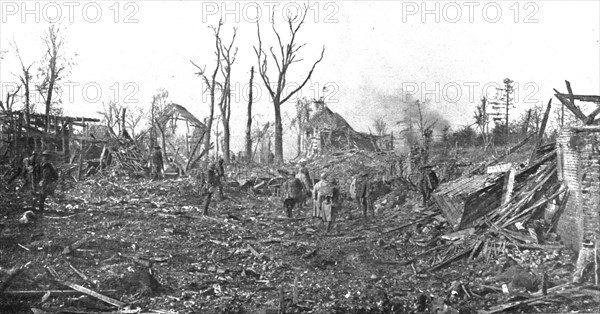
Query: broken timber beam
[36, 293]
[586, 128]
[449, 259]
[588, 98]
[569, 101]
[509, 185]
[540, 135]
[92, 293]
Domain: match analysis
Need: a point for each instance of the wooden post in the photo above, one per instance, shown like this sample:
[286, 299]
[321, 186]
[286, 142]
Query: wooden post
[81, 153]
[67, 140]
[19, 148]
[295, 291]
[56, 135]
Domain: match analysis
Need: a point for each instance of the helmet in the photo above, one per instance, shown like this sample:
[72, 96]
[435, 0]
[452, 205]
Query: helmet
[46, 153]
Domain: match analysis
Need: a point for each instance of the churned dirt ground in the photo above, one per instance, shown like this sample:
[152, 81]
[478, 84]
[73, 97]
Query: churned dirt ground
[146, 243]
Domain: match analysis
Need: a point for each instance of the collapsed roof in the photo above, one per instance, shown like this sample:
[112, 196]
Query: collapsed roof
[335, 132]
[182, 113]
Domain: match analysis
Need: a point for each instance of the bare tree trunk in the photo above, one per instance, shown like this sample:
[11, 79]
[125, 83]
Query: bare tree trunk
[288, 56]
[209, 127]
[226, 148]
[278, 133]
[53, 73]
[27, 104]
[299, 139]
[152, 133]
[123, 132]
[49, 101]
[249, 120]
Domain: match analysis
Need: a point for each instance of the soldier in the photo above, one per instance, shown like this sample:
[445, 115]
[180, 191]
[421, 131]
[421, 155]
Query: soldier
[157, 161]
[49, 179]
[25, 172]
[304, 176]
[292, 192]
[329, 199]
[211, 183]
[31, 171]
[315, 196]
[364, 195]
[428, 183]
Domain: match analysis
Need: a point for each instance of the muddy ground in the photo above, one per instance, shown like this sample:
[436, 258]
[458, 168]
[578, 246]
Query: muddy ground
[146, 243]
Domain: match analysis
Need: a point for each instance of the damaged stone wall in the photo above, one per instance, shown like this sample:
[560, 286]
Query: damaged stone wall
[579, 162]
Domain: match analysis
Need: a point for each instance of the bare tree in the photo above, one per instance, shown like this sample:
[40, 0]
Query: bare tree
[160, 102]
[10, 100]
[53, 69]
[111, 115]
[133, 119]
[25, 78]
[249, 118]
[225, 103]
[287, 56]
[380, 126]
[212, 84]
[426, 132]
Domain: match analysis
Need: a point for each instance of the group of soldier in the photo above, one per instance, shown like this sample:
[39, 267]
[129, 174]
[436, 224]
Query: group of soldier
[39, 175]
[326, 195]
[298, 188]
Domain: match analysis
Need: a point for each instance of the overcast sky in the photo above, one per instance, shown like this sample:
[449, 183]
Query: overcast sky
[449, 52]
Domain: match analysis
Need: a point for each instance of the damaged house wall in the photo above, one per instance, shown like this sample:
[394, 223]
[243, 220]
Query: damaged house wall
[580, 170]
[329, 131]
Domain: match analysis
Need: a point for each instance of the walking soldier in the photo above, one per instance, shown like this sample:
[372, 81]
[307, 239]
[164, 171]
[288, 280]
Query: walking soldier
[49, 179]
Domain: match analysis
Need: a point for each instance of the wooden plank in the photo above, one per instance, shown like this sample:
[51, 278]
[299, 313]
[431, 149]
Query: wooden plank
[587, 128]
[509, 185]
[36, 293]
[92, 293]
